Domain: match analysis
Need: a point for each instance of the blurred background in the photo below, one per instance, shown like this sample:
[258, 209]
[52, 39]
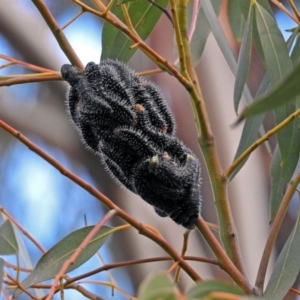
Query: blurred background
[50, 206]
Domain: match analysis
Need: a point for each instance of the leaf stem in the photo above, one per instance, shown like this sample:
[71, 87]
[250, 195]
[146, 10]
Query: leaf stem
[58, 33]
[28, 78]
[179, 39]
[135, 262]
[106, 201]
[260, 279]
[207, 145]
[222, 257]
[22, 229]
[153, 55]
[264, 138]
[78, 251]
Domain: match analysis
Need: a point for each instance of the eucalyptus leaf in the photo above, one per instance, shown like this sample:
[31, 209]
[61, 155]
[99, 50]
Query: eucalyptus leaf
[244, 60]
[143, 15]
[236, 19]
[157, 286]
[274, 52]
[286, 267]
[204, 288]
[277, 184]
[296, 50]
[1, 272]
[8, 242]
[250, 129]
[51, 262]
[245, 5]
[202, 30]
[223, 44]
[278, 64]
[281, 172]
[287, 90]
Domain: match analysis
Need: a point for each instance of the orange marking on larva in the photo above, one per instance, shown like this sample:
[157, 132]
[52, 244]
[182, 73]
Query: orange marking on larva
[116, 130]
[164, 129]
[144, 84]
[139, 107]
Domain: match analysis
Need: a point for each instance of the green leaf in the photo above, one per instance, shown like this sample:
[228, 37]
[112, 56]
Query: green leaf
[249, 136]
[274, 52]
[236, 19]
[287, 90]
[51, 262]
[274, 48]
[204, 288]
[8, 242]
[277, 184]
[281, 172]
[144, 16]
[296, 50]
[245, 5]
[251, 129]
[202, 30]
[286, 267]
[277, 63]
[243, 61]
[1, 272]
[223, 43]
[157, 286]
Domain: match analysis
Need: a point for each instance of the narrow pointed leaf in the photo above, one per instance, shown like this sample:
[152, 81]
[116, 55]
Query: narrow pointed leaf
[277, 184]
[204, 288]
[278, 64]
[274, 48]
[281, 173]
[24, 256]
[274, 52]
[202, 31]
[236, 19]
[8, 242]
[286, 268]
[144, 16]
[296, 50]
[51, 262]
[223, 43]
[1, 272]
[243, 61]
[245, 5]
[249, 136]
[250, 129]
[287, 90]
[157, 286]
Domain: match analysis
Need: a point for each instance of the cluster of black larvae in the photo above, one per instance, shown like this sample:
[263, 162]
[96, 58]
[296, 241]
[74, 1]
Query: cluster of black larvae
[124, 119]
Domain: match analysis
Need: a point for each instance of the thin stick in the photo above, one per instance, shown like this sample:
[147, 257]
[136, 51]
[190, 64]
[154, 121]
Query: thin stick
[265, 137]
[294, 8]
[260, 279]
[77, 252]
[25, 64]
[23, 230]
[222, 257]
[31, 78]
[183, 251]
[164, 64]
[58, 33]
[284, 9]
[138, 261]
[106, 201]
[72, 20]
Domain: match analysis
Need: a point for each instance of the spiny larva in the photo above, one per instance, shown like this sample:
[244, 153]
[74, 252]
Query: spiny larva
[124, 119]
